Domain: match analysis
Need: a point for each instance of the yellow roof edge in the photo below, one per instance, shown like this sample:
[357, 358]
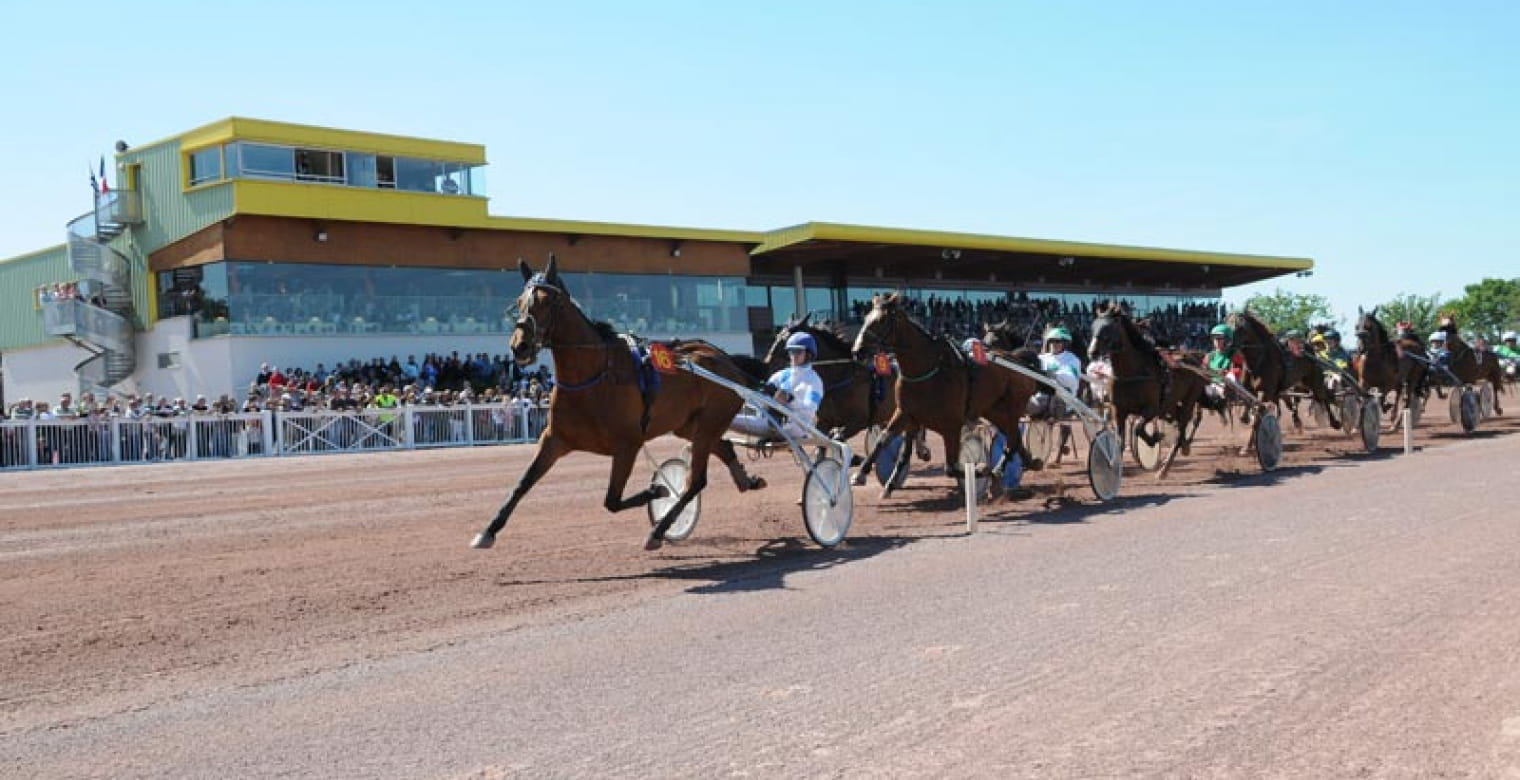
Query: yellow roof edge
[292, 134]
[544, 225]
[34, 253]
[833, 231]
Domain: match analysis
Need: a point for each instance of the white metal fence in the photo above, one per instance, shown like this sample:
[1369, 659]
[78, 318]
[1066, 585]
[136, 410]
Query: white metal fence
[30, 444]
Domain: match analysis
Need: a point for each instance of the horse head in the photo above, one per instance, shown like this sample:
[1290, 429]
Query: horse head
[537, 310]
[1108, 334]
[776, 355]
[879, 332]
[1369, 330]
[1002, 335]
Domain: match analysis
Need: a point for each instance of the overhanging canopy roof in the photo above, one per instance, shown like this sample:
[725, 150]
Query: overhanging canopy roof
[859, 251]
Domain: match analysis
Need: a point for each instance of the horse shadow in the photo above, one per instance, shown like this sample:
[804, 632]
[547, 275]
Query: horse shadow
[772, 562]
[1061, 509]
[1256, 478]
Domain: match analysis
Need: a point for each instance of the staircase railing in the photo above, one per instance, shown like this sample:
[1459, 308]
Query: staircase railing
[97, 313]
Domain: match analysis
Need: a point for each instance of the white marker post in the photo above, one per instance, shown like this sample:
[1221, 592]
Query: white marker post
[968, 472]
[1406, 419]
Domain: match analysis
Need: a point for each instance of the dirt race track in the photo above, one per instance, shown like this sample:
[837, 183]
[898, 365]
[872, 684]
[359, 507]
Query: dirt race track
[134, 589]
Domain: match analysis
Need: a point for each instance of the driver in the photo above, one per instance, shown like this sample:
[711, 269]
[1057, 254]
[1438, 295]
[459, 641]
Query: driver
[797, 386]
[1334, 352]
[1508, 350]
[1060, 365]
[1295, 343]
[1223, 361]
[1437, 349]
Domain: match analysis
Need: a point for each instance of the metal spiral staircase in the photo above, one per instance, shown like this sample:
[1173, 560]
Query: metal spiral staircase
[100, 318]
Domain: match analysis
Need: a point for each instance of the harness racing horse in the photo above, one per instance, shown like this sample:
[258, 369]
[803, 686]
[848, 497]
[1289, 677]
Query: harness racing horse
[936, 389]
[1144, 384]
[1382, 364]
[1468, 364]
[1306, 373]
[1266, 365]
[598, 405]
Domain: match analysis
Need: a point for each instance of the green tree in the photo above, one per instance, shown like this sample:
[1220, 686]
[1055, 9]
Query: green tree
[1488, 307]
[1418, 310]
[1283, 310]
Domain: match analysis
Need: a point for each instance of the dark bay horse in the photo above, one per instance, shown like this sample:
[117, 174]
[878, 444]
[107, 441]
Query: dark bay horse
[1468, 364]
[598, 405]
[1382, 364]
[1307, 374]
[1145, 384]
[1266, 363]
[936, 389]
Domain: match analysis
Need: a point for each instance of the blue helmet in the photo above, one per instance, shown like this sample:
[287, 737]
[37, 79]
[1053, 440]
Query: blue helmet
[803, 341]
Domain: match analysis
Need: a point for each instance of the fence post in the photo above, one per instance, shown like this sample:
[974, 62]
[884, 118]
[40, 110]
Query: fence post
[31, 442]
[1407, 419]
[408, 437]
[271, 437]
[192, 437]
[968, 473]
[116, 440]
[469, 424]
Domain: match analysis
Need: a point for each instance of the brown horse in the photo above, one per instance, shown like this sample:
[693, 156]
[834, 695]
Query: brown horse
[1266, 363]
[1145, 384]
[1307, 374]
[598, 405]
[1382, 364]
[1468, 364]
[936, 389]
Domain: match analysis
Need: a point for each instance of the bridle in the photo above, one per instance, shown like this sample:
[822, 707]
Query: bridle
[528, 324]
[897, 319]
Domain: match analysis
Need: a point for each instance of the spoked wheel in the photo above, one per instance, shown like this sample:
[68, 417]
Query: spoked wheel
[1469, 411]
[1486, 399]
[1454, 405]
[1149, 455]
[1268, 442]
[1352, 415]
[1105, 464]
[1371, 425]
[1416, 409]
[1318, 415]
[828, 506]
[974, 450]
[671, 475]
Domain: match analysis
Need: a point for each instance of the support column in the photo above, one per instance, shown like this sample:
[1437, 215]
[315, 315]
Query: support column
[798, 291]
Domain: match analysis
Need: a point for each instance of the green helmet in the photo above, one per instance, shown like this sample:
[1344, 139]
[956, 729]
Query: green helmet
[1222, 330]
[1058, 334]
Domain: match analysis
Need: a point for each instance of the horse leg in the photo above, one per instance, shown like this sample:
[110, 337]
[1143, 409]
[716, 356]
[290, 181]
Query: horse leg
[921, 445]
[550, 449]
[696, 479]
[742, 479]
[617, 480]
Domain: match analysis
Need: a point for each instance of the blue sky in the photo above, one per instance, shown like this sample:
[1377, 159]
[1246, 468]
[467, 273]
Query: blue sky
[1377, 137]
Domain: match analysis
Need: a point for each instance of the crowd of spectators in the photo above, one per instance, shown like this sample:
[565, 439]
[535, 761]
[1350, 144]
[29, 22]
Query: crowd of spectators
[1185, 326]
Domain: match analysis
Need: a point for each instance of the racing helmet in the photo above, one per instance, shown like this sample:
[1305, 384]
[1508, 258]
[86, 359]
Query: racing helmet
[1439, 335]
[1333, 334]
[1058, 334]
[1222, 330]
[1293, 335]
[803, 341]
[1510, 335]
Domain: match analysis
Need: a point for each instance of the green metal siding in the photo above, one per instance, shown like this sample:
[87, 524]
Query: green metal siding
[20, 320]
[170, 213]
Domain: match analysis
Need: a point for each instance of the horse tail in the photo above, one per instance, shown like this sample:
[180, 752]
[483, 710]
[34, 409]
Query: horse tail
[752, 367]
[1028, 358]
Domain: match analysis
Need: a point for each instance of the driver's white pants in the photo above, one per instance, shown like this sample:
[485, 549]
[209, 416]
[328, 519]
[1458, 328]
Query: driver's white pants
[759, 426]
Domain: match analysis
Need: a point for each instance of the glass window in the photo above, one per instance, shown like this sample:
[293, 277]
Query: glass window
[269, 162]
[232, 160]
[385, 171]
[415, 175]
[361, 170]
[205, 165]
[319, 165]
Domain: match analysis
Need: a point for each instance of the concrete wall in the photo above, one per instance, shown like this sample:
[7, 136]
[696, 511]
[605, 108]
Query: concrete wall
[226, 364]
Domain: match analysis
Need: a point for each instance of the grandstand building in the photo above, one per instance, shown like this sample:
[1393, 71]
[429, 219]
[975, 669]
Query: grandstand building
[245, 241]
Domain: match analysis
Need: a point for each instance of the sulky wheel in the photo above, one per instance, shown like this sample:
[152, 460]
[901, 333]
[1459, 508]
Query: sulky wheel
[1351, 413]
[1268, 442]
[671, 475]
[828, 506]
[1469, 412]
[1371, 425]
[1486, 399]
[1105, 464]
[1149, 455]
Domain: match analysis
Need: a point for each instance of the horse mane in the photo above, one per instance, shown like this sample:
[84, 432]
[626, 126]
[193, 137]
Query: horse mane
[828, 336]
[753, 367]
[1257, 326]
[603, 329]
[1139, 338]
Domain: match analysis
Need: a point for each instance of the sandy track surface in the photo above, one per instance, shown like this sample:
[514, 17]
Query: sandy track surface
[1218, 622]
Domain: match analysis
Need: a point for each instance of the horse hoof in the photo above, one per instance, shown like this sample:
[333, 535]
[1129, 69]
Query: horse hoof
[756, 483]
[1034, 464]
[483, 541]
[653, 543]
[860, 479]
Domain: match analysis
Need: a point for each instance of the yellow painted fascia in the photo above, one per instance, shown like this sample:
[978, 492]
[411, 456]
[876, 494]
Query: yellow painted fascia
[829, 231]
[313, 137]
[399, 207]
[355, 204]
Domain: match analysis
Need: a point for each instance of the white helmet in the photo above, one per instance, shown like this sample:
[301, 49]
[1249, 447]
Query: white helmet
[1510, 335]
[1439, 335]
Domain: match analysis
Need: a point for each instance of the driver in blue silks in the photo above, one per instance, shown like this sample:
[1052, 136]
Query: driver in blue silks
[797, 386]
